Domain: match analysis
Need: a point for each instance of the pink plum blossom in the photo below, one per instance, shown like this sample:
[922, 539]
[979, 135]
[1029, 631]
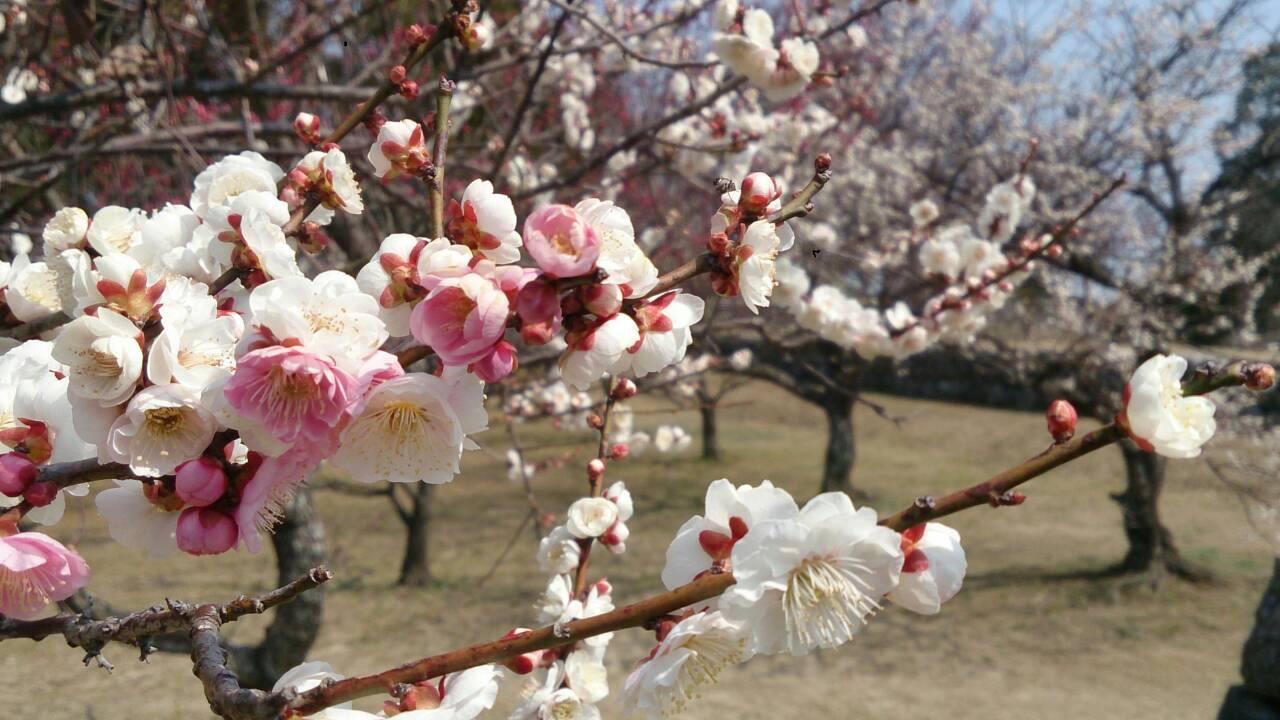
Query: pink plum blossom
[36, 570]
[291, 391]
[462, 319]
[561, 242]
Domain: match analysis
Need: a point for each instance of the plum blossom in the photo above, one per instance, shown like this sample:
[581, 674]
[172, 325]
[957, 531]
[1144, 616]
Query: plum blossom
[933, 568]
[36, 570]
[624, 263]
[456, 696]
[690, 657]
[291, 391]
[34, 290]
[1159, 417]
[558, 552]
[115, 229]
[485, 221]
[327, 315]
[413, 428]
[671, 438]
[142, 517]
[664, 324]
[561, 241]
[755, 264]
[163, 427]
[329, 176]
[730, 514]
[462, 319]
[591, 517]
[597, 350]
[811, 581]
[194, 350]
[220, 183]
[103, 355]
[65, 230]
[391, 278]
[400, 149]
[550, 701]
[309, 675]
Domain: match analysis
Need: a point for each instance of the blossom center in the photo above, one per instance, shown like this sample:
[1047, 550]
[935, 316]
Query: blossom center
[164, 421]
[402, 418]
[102, 363]
[824, 604]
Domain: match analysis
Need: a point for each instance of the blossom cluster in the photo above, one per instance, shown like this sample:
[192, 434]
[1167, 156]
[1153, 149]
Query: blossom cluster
[977, 276]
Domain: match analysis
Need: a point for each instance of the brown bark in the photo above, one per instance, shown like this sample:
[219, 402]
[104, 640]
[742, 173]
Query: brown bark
[415, 566]
[1151, 546]
[837, 465]
[710, 439]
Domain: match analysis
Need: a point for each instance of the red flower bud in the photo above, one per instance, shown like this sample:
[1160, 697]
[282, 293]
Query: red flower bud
[41, 493]
[1061, 417]
[624, 389]
[397, 75]
[619, 451]
[409, 89]
[16, 474]
[1259, 376]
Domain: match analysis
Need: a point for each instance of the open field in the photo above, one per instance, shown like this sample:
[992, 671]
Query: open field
[1033, 635]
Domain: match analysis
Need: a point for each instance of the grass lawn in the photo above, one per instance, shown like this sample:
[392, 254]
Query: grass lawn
[1034, 633]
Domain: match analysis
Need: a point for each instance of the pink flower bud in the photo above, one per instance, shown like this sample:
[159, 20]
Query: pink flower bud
[409, 89]
[595, 422]
[624, 389]
[603, 301]
[16, 474]
[200, 482]
[758, 190]
[561, 242]
[497, 364]
[595, 469]
[415, 34]
[202, 531]
[619, 451]
[41, 493]
[1061, 417]
[526, 663]
[397, 75]
[538, 302]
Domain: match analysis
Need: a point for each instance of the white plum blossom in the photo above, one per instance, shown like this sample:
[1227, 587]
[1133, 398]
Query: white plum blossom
[1159, 417]
[270, 247]
[555, 598]
[621, 258]
[757, 271]
[135, 521]
[376, 280]
[221, 182]
[65, 230]
[457, 696]
[163, 427]
[690, 657]
[310, 675]
[665, 333]
[923, 212]
[399, 148]
[327, 315]
[559, 551]
[591, 517]
[115, 229]
[33, 290]
[551, 701]
[811, 581]
[933, 568]
[103, 355]
[598, 351]
[413, 428]
[332, 178]
[671, 438]
[730, 514]
[485, 221]
[585, 672]
[194, 349]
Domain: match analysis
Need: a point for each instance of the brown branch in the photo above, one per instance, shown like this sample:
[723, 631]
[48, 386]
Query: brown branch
[443, 99]
[221, 686]
[137, 628]
[629, 616]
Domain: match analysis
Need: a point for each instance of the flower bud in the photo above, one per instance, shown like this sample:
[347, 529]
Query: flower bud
[758, 190]
[526, 663]
[41, 493]
[603, 301]
[409, 89]
[200, 482]
[1061, 417]
[1259, 376]
[307, 126]
[16, 474]
[538, 302]
[415, 34]
[397, 75]
[624, 389]
[595, 469]
[619, 451]
[202, 531]
[595, 422]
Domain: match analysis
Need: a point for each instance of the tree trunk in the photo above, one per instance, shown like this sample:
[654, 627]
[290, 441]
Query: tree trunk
[299, 544]
[1259, 697]
[415, 568]
[710, 441]
[841, 450]
[1151, 547]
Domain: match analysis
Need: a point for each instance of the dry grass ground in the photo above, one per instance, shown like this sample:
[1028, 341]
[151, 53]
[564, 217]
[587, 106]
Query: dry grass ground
[1034, 634]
